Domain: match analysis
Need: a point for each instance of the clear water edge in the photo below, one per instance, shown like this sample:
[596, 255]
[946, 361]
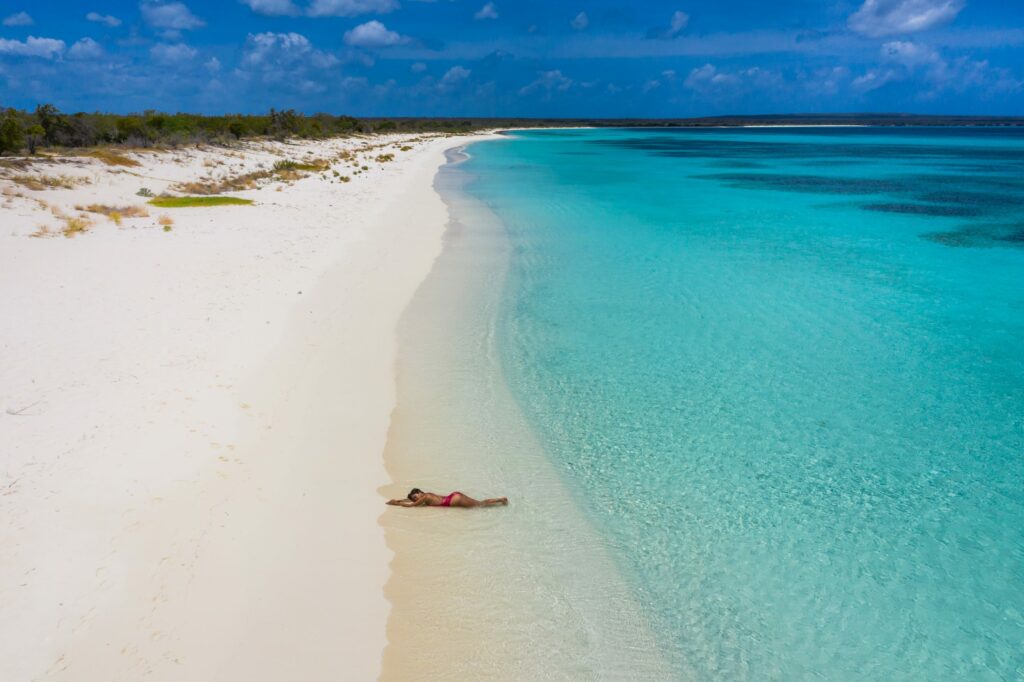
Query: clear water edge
[737, 381]
[524, 592]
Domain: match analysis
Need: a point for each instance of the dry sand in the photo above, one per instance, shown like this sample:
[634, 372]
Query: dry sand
[192, 421]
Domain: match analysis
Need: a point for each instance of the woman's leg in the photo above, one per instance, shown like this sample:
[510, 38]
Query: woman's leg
[467, 502]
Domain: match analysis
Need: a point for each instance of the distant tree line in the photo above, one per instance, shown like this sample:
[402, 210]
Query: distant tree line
[49, 127]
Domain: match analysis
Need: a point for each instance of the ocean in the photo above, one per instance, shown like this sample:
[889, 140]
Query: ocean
[765, 391]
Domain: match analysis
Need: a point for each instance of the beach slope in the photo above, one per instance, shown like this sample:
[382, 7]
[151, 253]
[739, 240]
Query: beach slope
[194, 407]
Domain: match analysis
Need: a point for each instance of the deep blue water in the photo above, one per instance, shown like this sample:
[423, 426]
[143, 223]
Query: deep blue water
[782, 370]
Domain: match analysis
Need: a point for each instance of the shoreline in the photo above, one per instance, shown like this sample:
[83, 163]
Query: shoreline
[195, 420]
[456, 426]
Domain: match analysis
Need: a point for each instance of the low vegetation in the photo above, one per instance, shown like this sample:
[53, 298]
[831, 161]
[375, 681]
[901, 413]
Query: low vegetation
[112, 158]
[166, 221]
[313, 166]
[190, 202]
[236, 183]
[37, 183]
[284, 170]
[74, 225]
[115, 213]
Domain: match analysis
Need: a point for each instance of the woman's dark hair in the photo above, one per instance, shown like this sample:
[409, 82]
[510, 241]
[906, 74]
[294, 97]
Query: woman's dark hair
[414, 491]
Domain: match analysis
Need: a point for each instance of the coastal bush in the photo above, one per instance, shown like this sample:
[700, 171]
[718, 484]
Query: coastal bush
[384, 158]
[144, 192]
[12, 135]
[189, 202]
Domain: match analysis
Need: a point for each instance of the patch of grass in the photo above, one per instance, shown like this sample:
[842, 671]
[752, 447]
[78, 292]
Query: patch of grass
[75, 225]
[405, 148]
[345, 178]
[311, 166]
[116, 213]
[144, 192]
[167, 221]
[189, 202]
[384, 158]
[17, 164]
[112, 158]
[233, 184]
[37, 183]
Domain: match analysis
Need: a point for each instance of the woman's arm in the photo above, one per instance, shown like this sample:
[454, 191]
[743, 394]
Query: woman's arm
[422, 502]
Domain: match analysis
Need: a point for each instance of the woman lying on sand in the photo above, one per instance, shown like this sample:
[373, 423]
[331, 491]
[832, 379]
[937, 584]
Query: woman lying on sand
[418, 498]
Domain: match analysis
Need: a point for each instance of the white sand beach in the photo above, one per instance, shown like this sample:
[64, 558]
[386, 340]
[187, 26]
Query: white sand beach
[192, 415]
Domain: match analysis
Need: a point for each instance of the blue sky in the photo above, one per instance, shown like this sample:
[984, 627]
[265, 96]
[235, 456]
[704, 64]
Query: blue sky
[592, 58]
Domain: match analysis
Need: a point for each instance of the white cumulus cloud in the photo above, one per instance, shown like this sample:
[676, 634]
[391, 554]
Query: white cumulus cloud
[453, 77]
[105, 19]
[908, 54]
[580, 22]
[172, 54]
[46, 48]
[350, 8]
[86, 48]
[278, 50]
[171, 16]
[677, 23]
[488, 11]
[903, 60]
[19, 19]
[713, 83]
[891, 17]
[548, 82]
[708, 76]
[272, 8]
[373, 34]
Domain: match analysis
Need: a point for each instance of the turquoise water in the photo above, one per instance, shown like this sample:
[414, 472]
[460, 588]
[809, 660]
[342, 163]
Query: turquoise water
[782, 371]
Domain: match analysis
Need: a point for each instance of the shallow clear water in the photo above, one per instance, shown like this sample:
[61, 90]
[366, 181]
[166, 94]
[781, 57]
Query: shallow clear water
[782, 373]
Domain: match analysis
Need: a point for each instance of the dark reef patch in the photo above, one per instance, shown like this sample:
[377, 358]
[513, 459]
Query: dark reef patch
[923, 209]
[813, 184]
[983, 235]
